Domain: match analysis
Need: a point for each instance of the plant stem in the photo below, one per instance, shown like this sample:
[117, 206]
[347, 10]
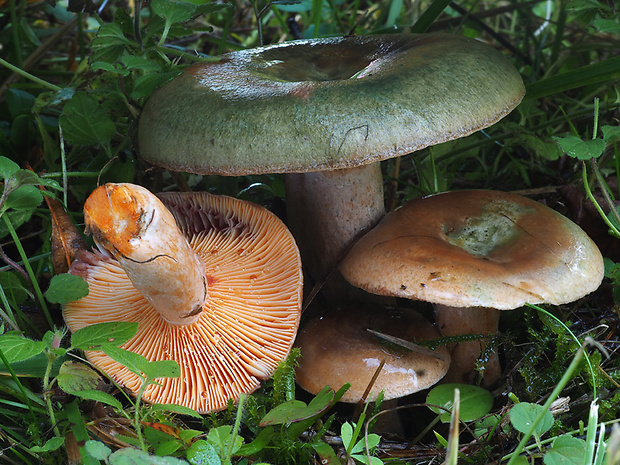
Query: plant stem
[235, 430]
[586, 184]
[556, 392]
[46, 394]
[31, 275]
[27, 75]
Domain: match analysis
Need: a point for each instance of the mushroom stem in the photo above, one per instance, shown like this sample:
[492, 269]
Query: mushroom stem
[133, 226]
[455, 321]
[327, 211]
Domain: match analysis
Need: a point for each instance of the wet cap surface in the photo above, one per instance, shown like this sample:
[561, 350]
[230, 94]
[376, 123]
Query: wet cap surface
[326, 104]
[476, 248]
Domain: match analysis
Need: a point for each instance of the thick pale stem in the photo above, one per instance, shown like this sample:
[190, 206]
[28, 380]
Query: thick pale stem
[454, 321]
[328, 210]
[134, 226]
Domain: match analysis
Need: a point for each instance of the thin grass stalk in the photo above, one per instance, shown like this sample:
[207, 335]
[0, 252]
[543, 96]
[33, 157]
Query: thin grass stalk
[429, 16]
[7, 315]
[235, 429]
[33, 278]
[579, 344]
[27, 75]
[554, 394]
[47, 395]
[586, 184]
[19, 385]
[452, 453]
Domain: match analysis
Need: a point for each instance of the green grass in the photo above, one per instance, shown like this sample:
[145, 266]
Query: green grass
[73, 85]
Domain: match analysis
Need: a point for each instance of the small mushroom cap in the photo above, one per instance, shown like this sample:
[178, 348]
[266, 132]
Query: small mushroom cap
[324, 104]
[476, 249]
[248, 323]
[337, 348]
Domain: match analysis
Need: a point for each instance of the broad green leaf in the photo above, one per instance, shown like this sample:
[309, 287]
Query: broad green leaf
[606, 26]
[52, 444]
[162, 369]
[145, 85]
[138, 364]
[173, 11]
[99, 396]
[12, 286]
[326, 453]
[346, 434]
[27, 178]
[7, 168]
[203, 453]
[34, 367]
[97, 450]
[131, 456]
[135, 363]
[566, 450]
[180, 409]
[17, 348]
[109, 43]
[19, 102]
[524, 414]
[610, 133]
[76, 376]
[220, 438]
[296, 410]
[363, 458]
[259, 443]
[66, 288]
[133, 62]
[575, 147]
[84, 121]
[373, 441]
[24, 198]
[474, 404]
[91, 337]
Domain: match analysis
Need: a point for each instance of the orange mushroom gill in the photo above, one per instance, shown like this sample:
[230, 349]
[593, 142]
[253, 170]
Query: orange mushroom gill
[247, 323]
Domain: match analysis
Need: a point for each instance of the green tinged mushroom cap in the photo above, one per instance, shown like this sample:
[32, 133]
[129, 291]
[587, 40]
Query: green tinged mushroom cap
[325, 104]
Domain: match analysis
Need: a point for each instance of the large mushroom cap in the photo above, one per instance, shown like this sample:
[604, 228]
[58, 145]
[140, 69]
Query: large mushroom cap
[338, 348]
[247, 325]
[476, 248]
[321, 104]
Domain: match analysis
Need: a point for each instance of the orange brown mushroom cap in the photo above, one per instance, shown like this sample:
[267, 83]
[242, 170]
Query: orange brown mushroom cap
[248, 321]
[480, 250]
[476, 249]
[340, 348]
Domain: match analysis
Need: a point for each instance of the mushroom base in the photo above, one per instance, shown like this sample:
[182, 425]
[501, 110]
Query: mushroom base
[455, 321]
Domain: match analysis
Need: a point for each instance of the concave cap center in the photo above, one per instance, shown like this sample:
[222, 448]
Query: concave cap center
[319, 61]
[494, 228]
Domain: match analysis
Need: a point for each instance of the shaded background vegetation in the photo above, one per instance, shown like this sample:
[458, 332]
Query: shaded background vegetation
[75, 75]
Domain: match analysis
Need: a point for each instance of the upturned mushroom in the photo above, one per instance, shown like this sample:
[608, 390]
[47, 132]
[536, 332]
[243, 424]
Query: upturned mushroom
[213, 282]
[350, 344]
[328, 110]
[473, 253]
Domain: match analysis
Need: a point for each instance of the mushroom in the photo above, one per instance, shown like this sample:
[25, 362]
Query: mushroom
[350, 344]
[214, 283]
[328, 110]
[486, 250]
